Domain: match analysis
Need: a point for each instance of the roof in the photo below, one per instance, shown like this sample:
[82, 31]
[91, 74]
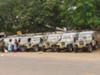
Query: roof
[87, 32]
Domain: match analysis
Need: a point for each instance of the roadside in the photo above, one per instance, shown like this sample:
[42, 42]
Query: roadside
[83, 56]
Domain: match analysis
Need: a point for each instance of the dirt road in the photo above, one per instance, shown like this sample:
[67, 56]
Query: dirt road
[50, 63]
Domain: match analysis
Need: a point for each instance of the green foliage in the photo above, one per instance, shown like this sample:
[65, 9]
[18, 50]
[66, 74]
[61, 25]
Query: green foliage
[46, 15]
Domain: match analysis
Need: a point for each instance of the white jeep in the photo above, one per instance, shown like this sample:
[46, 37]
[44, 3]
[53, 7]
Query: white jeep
[66, 42]
[51, 42]
[86, 41]
[33, 45]
[37, 42]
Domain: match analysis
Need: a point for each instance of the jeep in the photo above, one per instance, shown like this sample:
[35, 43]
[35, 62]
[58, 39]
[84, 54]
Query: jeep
[66, 42]
[86, 41]
[51, 42]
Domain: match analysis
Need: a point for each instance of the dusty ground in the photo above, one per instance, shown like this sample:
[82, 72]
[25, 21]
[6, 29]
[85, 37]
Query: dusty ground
[58, 56]
[39, 63]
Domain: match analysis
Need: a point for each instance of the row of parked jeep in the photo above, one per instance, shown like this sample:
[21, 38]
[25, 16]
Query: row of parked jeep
[57, 42]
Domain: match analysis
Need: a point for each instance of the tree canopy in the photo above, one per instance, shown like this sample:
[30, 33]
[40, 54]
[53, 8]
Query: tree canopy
[46, 15]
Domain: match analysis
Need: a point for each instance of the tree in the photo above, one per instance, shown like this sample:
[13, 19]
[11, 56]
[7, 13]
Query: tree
[46, 15]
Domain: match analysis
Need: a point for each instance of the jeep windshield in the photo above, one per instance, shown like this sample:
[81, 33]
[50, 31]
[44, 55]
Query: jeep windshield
[85, 37]
[67, 37]
[36, 39]
[53, 38]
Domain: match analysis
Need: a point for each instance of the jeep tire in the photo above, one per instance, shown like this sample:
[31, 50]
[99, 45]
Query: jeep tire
[89, 48]
[70, 48]
[36, 48]
[23, 48]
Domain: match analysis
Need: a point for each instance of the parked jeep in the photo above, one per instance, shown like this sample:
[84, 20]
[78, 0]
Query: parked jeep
[66, 42]
[87, 40]
[33, 43]
[24, 44]
[37, 42]
[51, 42]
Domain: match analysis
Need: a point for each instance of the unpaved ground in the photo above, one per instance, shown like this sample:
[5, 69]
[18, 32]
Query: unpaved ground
[58, 56]
[50, 63]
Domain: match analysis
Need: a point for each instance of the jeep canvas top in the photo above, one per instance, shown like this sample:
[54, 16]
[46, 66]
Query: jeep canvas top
[68, 37]
[54, 38]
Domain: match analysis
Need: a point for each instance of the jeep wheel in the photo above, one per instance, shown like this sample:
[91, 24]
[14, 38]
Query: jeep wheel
[23, 49]
[70, 48]
[95, 47]
[36, 48]
[44, 50]
[53, 48]
[76, 49]
[89, 48]
[56, 49]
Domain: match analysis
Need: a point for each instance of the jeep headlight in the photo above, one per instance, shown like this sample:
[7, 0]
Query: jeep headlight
[62, 43]
[81, 43]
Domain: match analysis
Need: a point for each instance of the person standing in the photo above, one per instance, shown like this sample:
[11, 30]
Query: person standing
[2, 45]
[18, 44]
[15, 46]
[10, 46]
[29, 44]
